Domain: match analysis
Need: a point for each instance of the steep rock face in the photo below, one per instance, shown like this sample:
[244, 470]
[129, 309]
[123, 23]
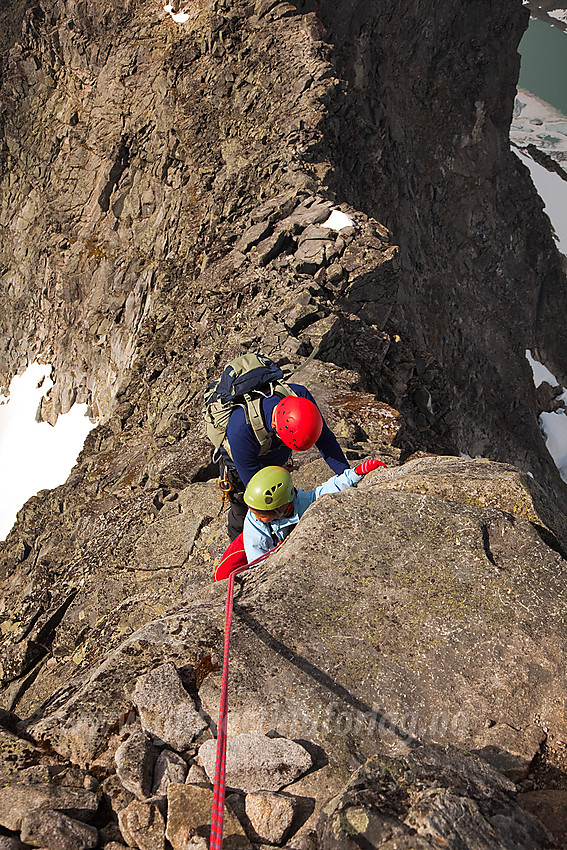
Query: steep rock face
[425, 150]
[134, 153]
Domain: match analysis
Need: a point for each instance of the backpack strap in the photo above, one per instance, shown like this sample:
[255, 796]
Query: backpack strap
[255, 418]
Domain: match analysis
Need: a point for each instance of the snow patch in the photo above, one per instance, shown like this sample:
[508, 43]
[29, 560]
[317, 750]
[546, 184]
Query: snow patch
[552, 189]
[178, 17]
[553, 425]
[34, 455]
[337, 220]
[559, 14]
[541, 373]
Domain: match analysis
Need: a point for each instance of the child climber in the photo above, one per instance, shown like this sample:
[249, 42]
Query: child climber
[275, 506]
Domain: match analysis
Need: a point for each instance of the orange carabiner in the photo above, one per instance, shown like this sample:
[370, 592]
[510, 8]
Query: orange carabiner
[225, 487]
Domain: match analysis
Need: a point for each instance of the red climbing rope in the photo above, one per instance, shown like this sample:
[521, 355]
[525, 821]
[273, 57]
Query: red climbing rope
[217, 816]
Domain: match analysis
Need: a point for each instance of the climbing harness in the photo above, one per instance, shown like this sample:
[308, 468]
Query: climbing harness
[217, 816]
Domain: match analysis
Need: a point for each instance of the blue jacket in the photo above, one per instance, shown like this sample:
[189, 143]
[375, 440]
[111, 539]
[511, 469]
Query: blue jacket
[260, 537]
[244, 446]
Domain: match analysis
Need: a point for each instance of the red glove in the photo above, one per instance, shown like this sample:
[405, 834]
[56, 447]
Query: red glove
[368, 466]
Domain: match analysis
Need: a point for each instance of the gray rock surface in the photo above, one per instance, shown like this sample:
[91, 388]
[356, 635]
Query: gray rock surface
[19, 798]
[169, 767]
[438, 561]
[433, 797]
[163, 194]
[135, 760]
[255, 762]
[166, 709]
[57, 831]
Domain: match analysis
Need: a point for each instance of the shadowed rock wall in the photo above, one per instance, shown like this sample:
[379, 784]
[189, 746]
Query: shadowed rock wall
[134, 151]
[421, 136]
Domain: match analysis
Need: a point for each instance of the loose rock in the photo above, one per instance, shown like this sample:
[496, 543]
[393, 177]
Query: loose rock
[135, 760]
[270, 814]
[166, 709]
[447, 797]
[116, 794]
[189, 819]
[17, 800]
[169, 767]
[142, 825]
[57, 831]
[255, 762]
[197, 776]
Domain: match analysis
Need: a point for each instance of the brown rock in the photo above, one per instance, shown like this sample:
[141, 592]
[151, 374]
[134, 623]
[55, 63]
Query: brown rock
[550, 807]
[189, 816]
[270, 814]
[142, 825]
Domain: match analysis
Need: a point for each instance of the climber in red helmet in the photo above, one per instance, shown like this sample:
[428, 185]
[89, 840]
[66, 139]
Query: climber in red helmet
[296, 424]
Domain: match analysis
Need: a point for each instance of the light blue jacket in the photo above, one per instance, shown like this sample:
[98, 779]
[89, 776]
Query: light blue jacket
[260, 537]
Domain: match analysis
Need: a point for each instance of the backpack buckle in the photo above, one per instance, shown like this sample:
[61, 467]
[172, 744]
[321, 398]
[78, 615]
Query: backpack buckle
[225, 487]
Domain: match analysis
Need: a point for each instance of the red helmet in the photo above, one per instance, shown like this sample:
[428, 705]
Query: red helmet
[297, 422]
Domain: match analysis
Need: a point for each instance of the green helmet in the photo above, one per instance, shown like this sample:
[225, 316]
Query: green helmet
[270, 488]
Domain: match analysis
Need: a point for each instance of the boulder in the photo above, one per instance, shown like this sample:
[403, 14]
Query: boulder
[166, 709]
[19, 798]
[135, 759]
[57, 831]
[115, 794]
[271, 814]
[255, 762]
[435, 796]
[142, 825]
[189, 819]
[169, 767]
[197, 776]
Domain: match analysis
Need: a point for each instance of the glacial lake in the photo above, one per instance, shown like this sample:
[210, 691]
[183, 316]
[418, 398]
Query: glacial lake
[543, 71]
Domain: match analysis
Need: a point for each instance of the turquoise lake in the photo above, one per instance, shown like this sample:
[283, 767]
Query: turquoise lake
[543, 70]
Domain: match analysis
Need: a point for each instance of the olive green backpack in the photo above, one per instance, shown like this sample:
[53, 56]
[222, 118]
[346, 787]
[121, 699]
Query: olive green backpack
[245, 381]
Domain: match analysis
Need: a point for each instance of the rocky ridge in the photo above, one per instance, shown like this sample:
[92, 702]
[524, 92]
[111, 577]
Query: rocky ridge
[165, 191]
